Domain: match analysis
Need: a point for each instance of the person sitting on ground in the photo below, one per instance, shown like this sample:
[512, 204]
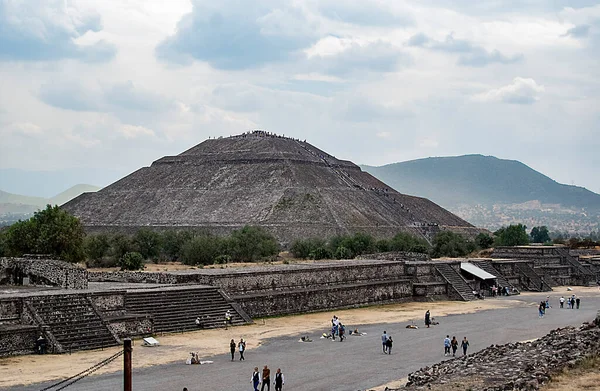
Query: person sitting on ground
[434, 322]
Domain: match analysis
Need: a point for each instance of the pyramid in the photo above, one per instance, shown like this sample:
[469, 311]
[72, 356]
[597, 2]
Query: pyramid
[287, 186]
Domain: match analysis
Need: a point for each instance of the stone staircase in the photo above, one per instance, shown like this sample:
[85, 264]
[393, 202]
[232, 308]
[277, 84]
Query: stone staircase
[488, 267]
[175, 309]
[534, 281]
[574, 262]
[456, 281]
[72, 322]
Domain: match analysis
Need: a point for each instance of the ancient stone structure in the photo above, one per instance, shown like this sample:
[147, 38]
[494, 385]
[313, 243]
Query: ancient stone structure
[36, 270]
[514, 366]
[555, 264]
[287, 186]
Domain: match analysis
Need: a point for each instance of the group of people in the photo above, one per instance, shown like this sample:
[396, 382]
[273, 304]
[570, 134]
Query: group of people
[386, 342]
[265, 379]
[241, 347]
[572, 302]
[452, 344]
[498, 290]
[337, 329]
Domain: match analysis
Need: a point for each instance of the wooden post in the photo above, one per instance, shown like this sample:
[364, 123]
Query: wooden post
[127, 349]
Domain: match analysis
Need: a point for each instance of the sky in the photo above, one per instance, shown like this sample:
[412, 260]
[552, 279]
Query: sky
[112, 85]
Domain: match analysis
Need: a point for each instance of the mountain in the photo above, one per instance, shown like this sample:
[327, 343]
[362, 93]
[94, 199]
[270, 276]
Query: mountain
[15, 206]
[491, 192]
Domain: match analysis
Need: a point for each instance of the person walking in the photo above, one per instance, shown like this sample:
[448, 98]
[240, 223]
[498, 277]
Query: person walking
[562, 301]
[447, 345]
[242, 349]
[542, 309]
[266, 379]
[232, 348]
[342, 332]
[255, 379]
[577, 301]
[464, 345]
[454, 344]
[427, 318]
[388, 344]
[279, 380]
[384, 338]
[573, 301]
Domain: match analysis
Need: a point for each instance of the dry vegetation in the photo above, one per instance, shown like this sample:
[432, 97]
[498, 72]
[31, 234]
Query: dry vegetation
[584, 377]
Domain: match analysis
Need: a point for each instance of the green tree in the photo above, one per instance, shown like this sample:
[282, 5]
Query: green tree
[172, 244]
[302, 248]
[120, 245]
[450, 244]
[321, 253]
[148, 243]
[3, 249]
[513, 235]
[406, 242]
[132, 261]
[343, 253]
[484, 240]
[50, 231]
[202, 250]
[252, 243]
[540, 234]
[96, 246]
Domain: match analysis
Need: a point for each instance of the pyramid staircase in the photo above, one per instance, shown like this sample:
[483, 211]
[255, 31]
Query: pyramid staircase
[71, 322]
[585, 273]
[488, 267]
[176, 309]
[535, 281]
[456, 281]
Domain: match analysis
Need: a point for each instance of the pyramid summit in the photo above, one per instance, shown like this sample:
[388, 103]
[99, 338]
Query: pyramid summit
[287, 186]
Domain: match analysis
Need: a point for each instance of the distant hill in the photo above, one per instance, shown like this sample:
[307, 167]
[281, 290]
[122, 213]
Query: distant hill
[15, 206]
[490, 192]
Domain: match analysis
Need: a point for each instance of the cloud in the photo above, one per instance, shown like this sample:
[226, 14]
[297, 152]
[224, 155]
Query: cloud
[37, 31]
[375, 56]
[364, 12]
[469, 53]
[364, 110]
[133, 131]
[233, 36]
[520, 91]
[116, 97]
[580, 31]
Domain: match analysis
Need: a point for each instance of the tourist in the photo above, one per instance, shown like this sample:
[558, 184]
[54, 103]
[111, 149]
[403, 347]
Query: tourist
[227, 319]
[577, 301]
[447, 345]
[255, 379]
[569, 302]
[427, 318]
[464, 344]
[454, 344]
[562, 301]
[384, 338]
[542, 309]
[573, 300]
[40, 345]
[342, 332]
[242, 349]
[279, 380]
[232, 348]
[266, 379]
[547, 302]
[388, 344]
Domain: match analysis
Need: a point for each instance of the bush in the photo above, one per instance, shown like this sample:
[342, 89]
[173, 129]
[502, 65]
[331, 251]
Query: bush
[120, 245]
[343, 253]
[406, 242]
[302, 248]
[484, 240]
[321, 253]
[132, 261]
[172, 244]
[222, 259]
[513, 235]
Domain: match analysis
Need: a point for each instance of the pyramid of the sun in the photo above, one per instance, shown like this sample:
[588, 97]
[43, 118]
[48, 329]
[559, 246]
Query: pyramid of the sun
[287, 186]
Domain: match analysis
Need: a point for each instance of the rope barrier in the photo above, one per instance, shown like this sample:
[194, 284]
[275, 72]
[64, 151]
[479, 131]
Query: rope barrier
[83, 374]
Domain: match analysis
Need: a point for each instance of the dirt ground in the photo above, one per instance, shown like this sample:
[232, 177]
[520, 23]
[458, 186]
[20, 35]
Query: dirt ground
[176, 347]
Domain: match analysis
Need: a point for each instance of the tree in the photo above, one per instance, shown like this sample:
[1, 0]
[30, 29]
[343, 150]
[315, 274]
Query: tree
[513, 235]
[202, 250]
[172, 244]
[50, 231]
[252, 243]
[96, 246]
[450, 244]
[120, 245]
[148, 243]
[484, 240]
[406, 242]
[132, 261]
[302, 248]
[540, 234]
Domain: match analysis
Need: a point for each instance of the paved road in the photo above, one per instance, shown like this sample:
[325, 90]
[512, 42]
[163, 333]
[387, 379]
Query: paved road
[355, 364]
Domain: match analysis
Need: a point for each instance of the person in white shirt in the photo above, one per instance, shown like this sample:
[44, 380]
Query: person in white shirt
[255, 379]
[279, 380]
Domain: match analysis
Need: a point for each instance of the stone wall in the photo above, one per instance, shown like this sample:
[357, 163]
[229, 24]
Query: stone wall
[109, 304]
[131, 326]
[42, 272]
[333, 297]
[18, 340]
[10, 310]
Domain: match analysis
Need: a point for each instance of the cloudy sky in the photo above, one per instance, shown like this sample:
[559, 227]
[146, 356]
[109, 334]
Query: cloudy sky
[116, 84]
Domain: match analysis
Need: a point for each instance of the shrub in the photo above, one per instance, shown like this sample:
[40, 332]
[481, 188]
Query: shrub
[221, 259]
[148, 243]
[202, 250]
[450, 244]
[321, 253]
[302, 248]
[343, 253]
[406, 242]
[96, 246]
[484, 240]
[132, 261]
[251, 244]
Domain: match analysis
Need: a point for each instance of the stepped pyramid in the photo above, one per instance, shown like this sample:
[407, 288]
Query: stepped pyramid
[287, 186]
